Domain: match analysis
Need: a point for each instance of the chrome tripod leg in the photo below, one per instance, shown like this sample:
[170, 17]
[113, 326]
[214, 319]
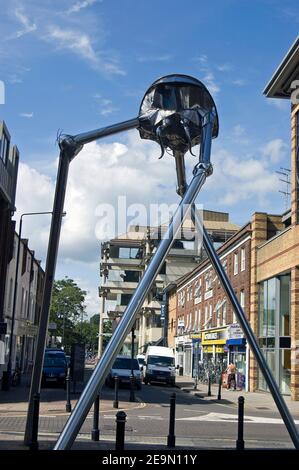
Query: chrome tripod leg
[97, 379]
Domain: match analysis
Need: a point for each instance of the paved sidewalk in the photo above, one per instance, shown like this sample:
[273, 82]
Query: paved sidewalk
[14, 403]
[253, 400]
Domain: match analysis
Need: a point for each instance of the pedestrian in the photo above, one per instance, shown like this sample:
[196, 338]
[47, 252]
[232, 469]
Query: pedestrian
[231, 375]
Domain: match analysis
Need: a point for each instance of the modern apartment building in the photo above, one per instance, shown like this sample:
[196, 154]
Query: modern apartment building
[125, 258]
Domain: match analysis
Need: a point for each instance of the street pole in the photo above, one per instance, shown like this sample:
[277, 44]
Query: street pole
[101, 324]
[6, 380]
[132, 381]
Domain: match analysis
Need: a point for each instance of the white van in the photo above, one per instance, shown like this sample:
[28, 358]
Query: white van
[159, 365]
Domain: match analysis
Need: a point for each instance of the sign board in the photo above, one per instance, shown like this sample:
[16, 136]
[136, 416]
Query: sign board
[52, 326]
[3, 328]
[235, 331]
[78, 362]
[163, 311]
[214, 336]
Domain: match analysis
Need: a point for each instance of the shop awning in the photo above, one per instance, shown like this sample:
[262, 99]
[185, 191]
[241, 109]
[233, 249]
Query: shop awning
[236, 342]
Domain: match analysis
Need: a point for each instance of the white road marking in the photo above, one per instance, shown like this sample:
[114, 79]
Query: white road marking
[225, 418]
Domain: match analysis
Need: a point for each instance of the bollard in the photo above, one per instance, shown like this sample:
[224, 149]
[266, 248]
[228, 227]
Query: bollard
[68, 406]
[171, 435]
[120, 430]
[240, 440]
[33, 445]
[95, 433]
[219, 387]
[116, 382]
[132, 386]
[209, 387]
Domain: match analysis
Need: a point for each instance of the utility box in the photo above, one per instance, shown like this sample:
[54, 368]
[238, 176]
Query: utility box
[77, 362]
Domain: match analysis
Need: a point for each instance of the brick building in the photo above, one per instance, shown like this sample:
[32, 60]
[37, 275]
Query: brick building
[204, 318]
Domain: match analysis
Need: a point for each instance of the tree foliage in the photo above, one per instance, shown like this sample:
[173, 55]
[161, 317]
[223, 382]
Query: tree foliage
[67, 309]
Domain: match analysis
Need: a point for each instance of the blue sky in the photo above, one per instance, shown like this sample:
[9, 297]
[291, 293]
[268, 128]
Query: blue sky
[75, 65]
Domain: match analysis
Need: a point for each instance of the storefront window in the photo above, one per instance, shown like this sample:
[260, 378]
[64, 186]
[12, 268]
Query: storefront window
[274, 329]
[285, 370]
[284, 327]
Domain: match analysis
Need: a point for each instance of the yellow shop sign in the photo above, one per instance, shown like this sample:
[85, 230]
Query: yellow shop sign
[218, 336]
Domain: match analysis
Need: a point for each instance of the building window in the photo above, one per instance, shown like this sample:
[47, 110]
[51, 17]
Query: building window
[274, 329]
[10, 294]
[4, 147]
[206, 314]
[243, 259]
[236, 263]
[242, 299]
[224, 314]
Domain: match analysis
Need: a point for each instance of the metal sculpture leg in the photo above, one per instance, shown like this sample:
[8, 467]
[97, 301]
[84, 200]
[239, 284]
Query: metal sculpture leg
[97, 379]
[252, 341]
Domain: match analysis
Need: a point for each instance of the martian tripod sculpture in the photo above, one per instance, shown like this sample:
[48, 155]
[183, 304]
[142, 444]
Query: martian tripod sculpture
[177, 112]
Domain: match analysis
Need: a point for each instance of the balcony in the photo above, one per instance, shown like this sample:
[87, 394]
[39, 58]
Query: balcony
[120, 287]
[124, 263]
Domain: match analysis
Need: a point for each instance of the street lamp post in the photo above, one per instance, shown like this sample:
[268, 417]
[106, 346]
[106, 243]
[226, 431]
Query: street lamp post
[132, 378]
[6, 380]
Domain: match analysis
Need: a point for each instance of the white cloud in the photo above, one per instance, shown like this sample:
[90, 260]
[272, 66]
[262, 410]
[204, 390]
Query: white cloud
[82, 35]
[81, 44]
[73, 40]
[281, 104]
[76, 7]
[155, 58]
[239, 134]
[224, 67]
[26, 115]
[241, 178]
[210, 82]
[27, 25]
[239, 82]
[274, 150]
[105, 105]
[98, 175]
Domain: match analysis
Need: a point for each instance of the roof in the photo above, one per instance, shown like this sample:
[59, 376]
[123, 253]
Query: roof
[279, 85]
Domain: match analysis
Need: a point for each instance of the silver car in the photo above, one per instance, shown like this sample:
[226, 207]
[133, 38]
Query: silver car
[122, 368]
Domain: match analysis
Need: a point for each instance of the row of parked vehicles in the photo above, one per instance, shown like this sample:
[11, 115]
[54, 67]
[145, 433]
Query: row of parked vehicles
[157, 365]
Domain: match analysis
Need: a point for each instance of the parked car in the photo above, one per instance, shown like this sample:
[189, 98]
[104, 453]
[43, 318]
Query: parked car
[122, 368]
[54, 367]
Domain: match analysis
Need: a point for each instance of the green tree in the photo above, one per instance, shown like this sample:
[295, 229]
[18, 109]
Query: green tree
[67, 310]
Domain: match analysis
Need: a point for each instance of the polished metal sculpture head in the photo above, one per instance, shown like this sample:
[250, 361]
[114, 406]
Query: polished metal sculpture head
[173, 112]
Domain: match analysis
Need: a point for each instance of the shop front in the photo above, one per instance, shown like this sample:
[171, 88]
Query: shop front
[237, 352]
[213, 346]
[196, 352]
